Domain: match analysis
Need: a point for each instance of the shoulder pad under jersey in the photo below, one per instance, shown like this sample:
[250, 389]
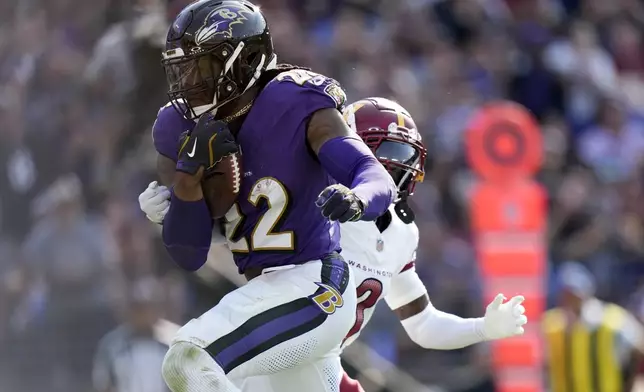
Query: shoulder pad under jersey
[404, 212]
[407, 235]
[309, 88]
[167, 130]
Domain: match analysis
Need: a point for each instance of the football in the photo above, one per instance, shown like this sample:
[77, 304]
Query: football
[221, 187]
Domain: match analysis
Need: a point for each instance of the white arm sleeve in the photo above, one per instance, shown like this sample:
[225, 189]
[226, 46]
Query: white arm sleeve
[405, 287]
[431, 328]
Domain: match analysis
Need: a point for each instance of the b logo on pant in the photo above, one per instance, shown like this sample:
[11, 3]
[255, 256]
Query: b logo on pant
[329, 299]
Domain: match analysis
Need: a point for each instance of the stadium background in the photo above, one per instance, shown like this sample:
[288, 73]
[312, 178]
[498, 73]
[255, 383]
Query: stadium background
[80, 84]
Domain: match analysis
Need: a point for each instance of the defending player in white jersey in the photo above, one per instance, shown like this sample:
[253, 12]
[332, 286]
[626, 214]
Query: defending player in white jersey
[382, 253]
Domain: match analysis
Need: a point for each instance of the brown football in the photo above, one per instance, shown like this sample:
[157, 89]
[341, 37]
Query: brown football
[221, 188]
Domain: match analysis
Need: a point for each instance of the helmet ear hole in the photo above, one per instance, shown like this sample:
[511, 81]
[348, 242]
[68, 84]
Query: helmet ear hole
[226, 89]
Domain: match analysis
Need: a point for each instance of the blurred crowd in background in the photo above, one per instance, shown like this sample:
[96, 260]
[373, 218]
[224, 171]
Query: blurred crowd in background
[83, 274]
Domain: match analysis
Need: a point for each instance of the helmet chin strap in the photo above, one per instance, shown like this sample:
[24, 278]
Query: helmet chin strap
[258, 72]
[272, 64]
[199, 110]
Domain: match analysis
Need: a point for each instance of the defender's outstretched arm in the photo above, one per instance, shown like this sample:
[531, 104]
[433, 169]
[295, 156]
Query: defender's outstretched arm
[433, 329]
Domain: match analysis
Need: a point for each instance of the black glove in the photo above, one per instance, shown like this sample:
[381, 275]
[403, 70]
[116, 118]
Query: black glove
[207, 144]
[338, 202]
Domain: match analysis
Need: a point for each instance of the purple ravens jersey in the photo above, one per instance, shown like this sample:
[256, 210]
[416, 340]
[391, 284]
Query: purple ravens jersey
[275, 220]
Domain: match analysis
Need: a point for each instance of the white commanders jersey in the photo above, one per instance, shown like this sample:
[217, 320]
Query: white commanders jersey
[382, 263]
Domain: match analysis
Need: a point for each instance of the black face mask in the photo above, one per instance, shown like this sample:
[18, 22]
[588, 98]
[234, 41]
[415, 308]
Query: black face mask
[193, 79]
[397, 153]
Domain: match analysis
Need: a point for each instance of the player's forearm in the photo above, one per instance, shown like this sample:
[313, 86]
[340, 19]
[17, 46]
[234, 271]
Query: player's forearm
[433, 329]
[350, 162]
[187, 230]
[166, 169]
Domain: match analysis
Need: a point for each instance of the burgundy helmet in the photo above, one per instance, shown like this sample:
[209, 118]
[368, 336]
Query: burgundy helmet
[390, 132]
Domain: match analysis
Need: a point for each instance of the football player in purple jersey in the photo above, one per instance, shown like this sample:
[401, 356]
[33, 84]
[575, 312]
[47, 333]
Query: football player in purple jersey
[305, 172]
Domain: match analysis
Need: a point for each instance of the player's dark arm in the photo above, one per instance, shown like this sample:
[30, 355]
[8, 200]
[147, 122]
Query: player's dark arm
[427, 326]
[187, 227]
[165, 169]
[412, 308]
[350, 162]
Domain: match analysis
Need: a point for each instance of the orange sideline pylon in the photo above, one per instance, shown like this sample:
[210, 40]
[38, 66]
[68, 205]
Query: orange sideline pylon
[508, 216]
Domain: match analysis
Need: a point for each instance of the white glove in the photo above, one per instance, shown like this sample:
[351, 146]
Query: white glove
[503, 320]
[155, 202]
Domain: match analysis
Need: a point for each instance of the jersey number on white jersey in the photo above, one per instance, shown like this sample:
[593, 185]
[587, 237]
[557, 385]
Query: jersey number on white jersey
[262, 237]
[368, 293]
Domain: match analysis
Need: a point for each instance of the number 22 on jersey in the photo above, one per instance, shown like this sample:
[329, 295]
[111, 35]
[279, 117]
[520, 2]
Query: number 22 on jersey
[264, 236]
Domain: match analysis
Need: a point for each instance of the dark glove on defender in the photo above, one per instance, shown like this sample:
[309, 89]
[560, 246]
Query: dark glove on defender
[207, 144]
[337, 202]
